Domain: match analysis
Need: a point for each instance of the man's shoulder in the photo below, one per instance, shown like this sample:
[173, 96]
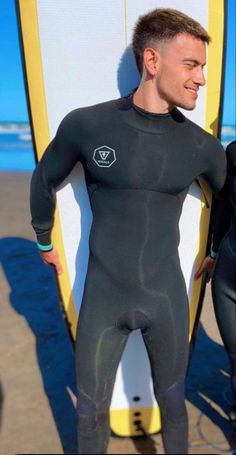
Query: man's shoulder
[85, 119]
[89, 112]
[205, 138]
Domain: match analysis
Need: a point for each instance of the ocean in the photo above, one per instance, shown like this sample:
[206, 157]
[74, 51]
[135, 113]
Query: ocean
[16, 149]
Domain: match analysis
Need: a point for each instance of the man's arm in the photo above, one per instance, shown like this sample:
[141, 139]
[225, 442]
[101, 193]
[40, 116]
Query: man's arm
[216, 165]
[55, 165]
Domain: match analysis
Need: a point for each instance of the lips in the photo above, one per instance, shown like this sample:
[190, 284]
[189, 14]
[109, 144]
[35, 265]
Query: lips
[193, 92]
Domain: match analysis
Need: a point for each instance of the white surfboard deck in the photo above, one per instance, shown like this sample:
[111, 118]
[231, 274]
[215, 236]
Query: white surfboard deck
[77, 53]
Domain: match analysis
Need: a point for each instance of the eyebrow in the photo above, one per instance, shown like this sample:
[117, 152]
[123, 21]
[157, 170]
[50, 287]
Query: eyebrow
[194, 61]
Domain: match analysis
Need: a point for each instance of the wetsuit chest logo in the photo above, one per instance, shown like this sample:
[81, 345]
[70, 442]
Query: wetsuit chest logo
[104, 156]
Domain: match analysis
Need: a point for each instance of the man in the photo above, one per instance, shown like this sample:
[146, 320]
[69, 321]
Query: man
[137, 185]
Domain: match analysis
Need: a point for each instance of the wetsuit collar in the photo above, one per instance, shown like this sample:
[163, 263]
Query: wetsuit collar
[148, 121]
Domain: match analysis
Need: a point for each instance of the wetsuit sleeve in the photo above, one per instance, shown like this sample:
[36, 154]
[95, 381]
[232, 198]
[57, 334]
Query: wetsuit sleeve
[222, 207]
[57, 162]
[215, 173]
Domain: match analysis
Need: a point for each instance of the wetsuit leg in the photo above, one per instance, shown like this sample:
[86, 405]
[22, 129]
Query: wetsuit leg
[169, 356]
[98, 354]
[224, 300]
[99, 346]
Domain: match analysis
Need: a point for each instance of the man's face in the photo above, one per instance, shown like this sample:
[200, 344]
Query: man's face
[180, 71]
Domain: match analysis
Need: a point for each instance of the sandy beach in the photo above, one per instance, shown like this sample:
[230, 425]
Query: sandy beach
[37, 378]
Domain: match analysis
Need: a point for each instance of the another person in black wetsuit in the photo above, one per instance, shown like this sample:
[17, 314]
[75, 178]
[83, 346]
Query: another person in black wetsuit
[221, 264]
[140, 155]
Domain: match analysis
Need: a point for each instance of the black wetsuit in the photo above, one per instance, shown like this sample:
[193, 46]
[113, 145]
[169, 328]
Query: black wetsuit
[224, 279]
[138, 168]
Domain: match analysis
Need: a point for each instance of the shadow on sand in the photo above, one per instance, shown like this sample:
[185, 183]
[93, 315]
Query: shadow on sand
[34, 295]
[208, 388]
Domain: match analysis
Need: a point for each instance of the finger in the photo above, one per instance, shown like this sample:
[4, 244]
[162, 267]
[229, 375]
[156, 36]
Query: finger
[52, 264]
[59, 268]
[198, 274]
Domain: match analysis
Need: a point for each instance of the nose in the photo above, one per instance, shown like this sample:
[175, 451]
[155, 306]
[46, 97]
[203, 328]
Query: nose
[199, 77]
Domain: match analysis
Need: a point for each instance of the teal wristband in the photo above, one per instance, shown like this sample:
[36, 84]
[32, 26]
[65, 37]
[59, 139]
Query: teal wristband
[213, 254]
[45, 247]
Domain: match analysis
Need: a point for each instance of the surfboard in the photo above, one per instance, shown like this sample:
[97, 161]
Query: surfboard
[77, 53]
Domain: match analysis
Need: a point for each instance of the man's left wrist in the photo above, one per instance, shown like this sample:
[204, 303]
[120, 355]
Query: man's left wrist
[45, 248]
[213, 254]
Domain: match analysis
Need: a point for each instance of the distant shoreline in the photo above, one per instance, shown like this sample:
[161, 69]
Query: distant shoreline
[228, 132]
[14, 127]
[7, 125]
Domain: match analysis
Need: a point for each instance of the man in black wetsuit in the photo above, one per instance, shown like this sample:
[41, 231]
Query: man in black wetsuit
[140, 155]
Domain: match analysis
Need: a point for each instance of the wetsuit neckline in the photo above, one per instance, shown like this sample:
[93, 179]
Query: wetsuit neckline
[149, 114]
[146, 121]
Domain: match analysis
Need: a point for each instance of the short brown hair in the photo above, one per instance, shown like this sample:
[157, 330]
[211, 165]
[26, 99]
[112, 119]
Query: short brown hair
[160, 25]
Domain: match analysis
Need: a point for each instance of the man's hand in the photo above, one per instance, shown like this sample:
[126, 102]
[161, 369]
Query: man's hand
[52, 258]
[207, 267]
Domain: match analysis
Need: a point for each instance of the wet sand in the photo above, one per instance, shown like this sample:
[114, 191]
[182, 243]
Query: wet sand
[37, 379]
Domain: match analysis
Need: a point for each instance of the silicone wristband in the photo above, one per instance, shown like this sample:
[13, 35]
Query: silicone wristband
[213, 254]
[45, 247]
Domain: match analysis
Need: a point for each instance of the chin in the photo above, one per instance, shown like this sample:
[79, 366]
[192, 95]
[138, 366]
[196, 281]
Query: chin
[187, 107]
[190, 108]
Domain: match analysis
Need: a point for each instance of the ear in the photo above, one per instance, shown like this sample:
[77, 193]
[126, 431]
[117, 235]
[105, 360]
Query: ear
[150, 60]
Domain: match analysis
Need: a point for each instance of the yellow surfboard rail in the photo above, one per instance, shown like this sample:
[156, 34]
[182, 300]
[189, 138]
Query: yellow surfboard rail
[123, 422]
[216, 19]
[39, 123]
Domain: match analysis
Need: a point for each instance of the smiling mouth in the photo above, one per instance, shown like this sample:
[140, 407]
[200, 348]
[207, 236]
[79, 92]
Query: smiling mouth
[193, 92]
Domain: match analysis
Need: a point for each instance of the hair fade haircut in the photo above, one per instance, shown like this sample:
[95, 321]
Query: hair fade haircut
[161, 25]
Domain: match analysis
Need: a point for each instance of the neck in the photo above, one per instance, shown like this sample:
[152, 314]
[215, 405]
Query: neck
[147, 97]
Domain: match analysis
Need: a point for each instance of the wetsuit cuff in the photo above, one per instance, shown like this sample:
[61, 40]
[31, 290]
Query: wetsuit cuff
[45, 248]
[43, 237]
[213, 255]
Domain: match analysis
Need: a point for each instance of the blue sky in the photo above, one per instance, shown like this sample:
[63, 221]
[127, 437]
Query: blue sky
[12, 95]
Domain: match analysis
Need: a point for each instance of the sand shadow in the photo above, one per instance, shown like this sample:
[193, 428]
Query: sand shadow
[34, 295]
[208, 387]
[1, 404]
[145, 444]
